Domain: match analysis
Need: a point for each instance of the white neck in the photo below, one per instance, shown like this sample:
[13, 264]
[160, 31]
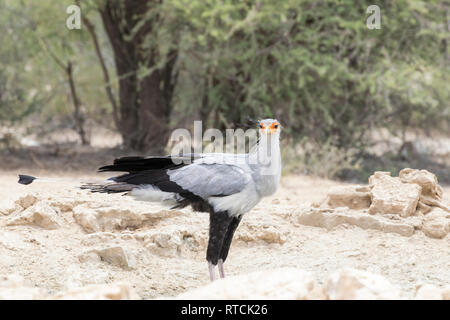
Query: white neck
[267, 154]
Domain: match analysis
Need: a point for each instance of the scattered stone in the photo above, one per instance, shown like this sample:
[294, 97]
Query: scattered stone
[390, 195]
[427, 180]
[423, 208]
[89, 256]
[12, 287]
[428, 292]
[432, 192]
[352, 284]
[436, 223]
[283, 283]
[409, 199]
[331, 218]
[26, 201]
[7, 208]
[119, 291]
[269, 234]
[173, 241]
[352, 197]
[40, 214]
[116, 255]
[107, 218]
[66, 204]
[446, 293]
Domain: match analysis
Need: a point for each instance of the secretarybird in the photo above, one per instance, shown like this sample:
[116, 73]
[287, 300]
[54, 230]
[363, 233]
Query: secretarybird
[225, 185]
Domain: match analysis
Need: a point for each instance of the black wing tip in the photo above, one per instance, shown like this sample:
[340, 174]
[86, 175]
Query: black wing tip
[25, 179]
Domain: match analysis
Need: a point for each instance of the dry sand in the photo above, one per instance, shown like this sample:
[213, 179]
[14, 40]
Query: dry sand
[63, 258]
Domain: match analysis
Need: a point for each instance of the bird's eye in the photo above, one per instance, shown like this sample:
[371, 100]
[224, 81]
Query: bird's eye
[261, 126]
[275, 126]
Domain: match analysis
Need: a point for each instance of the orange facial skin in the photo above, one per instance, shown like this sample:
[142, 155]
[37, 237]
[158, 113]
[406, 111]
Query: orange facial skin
[273, 128]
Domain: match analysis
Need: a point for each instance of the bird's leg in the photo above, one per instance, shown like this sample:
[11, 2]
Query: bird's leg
[212, 274]
[221, 270]
[218, 227]
[227, 243]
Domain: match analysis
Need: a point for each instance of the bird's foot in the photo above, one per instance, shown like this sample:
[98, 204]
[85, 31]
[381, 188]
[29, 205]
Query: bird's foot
[221, 270]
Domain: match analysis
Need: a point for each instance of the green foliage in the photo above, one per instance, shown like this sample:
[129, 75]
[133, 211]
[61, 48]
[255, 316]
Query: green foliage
[316, 66]
[313, 64]
[36, 37]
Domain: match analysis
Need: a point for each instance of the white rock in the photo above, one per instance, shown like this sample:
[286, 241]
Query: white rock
[436, 223]
[112, 218]
[170, 241]
[8, 207]
[12, 288]
[26, 201]
[392, 196]
[331, 218]
[427, 180]
[352, 284]
[446, 293]
[115, 255]
[40, 214]
[266, 229]
[119, 291]
[428, 292]
[11, 281]
[283, 283]
[352, 197]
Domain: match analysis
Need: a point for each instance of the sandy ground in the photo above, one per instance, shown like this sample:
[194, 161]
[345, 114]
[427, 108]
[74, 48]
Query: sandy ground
[51, 258]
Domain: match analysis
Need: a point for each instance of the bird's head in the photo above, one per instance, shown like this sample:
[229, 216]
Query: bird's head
[269, 126]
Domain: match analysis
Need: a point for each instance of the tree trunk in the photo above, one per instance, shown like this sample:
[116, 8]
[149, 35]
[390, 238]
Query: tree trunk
[145, 101]
[77, 115]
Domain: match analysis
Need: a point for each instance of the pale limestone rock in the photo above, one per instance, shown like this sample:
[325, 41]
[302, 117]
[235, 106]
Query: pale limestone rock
[352, 197]
[283, 283]
[66, 204]
[26, 201]
[269, 234]
[111, 218]
[352, 284]
[8, 207]
[331, 218]
[423, 208]
[89, 256]
[428, 292]
[390, 195]
[436, 223]
[11, 281]
[97, 238]
[12, 240]
[431, 202]
[261, 229]
[106, 218]
[427, 180]
[12, 288]
[114, 255]
[431, 191]
[40, 214]
[87, 219]
[446, 293]
[172, 241]
[119, 291]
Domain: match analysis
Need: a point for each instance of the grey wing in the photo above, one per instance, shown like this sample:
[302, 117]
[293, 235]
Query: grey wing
[206, 180]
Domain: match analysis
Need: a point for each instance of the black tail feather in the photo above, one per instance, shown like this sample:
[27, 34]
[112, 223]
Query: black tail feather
[108, 188]
[24, 179]
[136, 164]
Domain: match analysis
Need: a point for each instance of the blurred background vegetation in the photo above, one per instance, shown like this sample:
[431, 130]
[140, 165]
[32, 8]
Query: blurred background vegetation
[351, 100]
